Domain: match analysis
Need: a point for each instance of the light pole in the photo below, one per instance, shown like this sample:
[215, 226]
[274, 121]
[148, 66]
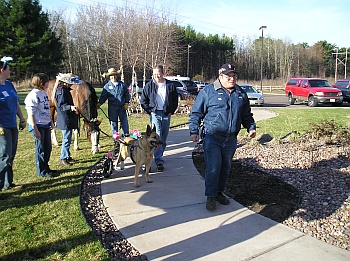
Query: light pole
[261, 54]
[188, 59]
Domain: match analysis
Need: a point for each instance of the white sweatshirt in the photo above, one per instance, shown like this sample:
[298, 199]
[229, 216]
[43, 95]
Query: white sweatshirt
[37, 104]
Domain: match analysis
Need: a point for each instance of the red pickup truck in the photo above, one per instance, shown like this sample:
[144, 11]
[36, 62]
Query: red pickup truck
[312, 90]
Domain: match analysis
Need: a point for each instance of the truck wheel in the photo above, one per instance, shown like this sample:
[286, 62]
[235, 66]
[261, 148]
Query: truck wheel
[311, 101]
[291, 100]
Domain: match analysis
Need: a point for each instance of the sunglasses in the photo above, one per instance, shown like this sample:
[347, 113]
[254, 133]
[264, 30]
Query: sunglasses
[5, 59]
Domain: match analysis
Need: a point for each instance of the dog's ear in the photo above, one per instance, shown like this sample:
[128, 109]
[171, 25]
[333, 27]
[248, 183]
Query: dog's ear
[153, 128]
[148, 131]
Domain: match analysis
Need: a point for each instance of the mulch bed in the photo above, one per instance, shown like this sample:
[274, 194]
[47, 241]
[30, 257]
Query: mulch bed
[257, 190]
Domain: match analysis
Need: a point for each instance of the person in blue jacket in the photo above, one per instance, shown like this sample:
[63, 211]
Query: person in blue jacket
[160, 100]
[67, 118]
[117, 94]
[223, 107]
[9, 108]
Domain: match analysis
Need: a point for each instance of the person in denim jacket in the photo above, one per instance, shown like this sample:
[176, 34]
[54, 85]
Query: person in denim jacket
[160, 99]
[117, 94]
[224, 108]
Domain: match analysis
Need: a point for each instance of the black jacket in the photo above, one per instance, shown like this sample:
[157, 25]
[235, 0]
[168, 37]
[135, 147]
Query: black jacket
[149, 97]
[66, 119]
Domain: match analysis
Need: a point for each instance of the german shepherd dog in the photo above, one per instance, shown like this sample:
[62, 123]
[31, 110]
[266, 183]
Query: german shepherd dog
[141, 152]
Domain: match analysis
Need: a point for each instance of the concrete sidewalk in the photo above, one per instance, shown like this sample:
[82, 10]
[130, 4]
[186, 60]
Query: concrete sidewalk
[167, 219]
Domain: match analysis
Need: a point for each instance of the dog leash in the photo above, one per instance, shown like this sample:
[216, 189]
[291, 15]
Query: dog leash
[105, 114]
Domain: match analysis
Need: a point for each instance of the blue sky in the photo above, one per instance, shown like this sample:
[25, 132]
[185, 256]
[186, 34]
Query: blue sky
[295, 21]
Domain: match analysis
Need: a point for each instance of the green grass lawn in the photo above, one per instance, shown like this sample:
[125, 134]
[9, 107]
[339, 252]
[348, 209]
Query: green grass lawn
[42, 220]
[299, 120]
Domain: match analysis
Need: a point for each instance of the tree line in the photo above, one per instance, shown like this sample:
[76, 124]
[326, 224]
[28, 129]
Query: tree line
[134, 39]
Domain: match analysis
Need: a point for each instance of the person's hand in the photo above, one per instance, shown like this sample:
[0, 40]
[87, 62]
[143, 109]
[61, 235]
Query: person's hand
[22, 124]
[252, 134]
[98, 105]
[37, 133]
[126, 106]
[194, 137]
[2, 130]
[73, 108]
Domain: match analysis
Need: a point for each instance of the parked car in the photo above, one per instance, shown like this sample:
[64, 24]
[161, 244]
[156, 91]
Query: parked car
[190, 86]
[181, 89]
[312, 90]
[139, 84]
[201, 85]
[344, 86]
[177, 78]
[254, 96]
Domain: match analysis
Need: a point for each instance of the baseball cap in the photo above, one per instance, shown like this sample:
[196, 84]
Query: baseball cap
[227, 68]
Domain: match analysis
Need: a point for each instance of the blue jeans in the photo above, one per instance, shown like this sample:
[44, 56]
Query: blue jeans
[3, 160]
[162, 123]
[66, 140]
[218, 153]
[118, 112]
[43, 148]
[9, 141]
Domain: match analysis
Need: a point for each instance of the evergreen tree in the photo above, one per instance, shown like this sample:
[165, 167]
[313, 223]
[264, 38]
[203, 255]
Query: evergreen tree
[25, 35]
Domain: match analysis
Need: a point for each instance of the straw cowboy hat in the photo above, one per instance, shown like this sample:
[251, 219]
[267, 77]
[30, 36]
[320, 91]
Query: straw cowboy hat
[112, 71]
[68, 78]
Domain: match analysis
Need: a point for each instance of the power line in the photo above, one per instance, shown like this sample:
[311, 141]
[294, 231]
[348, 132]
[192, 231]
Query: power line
[174, 15]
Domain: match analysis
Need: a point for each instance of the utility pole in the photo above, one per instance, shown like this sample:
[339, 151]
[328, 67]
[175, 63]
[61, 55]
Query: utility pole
[341, 61]
[188, 59]
[261, 54]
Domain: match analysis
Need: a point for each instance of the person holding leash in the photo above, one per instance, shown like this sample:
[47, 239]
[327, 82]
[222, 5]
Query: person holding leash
[67, 118]
[159, 100]
[9, 108]
[224, 107]
[40, 124]
[117, 94]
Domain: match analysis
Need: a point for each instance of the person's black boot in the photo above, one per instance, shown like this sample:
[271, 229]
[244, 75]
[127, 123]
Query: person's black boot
[211, 204]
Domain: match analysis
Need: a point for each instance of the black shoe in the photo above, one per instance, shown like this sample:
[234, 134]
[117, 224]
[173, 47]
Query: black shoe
[13, 185]
[211, 203]
[160, 167]
[70, 160]
[222, 199]
[53, 172]
[65, 162]
[47, 175]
